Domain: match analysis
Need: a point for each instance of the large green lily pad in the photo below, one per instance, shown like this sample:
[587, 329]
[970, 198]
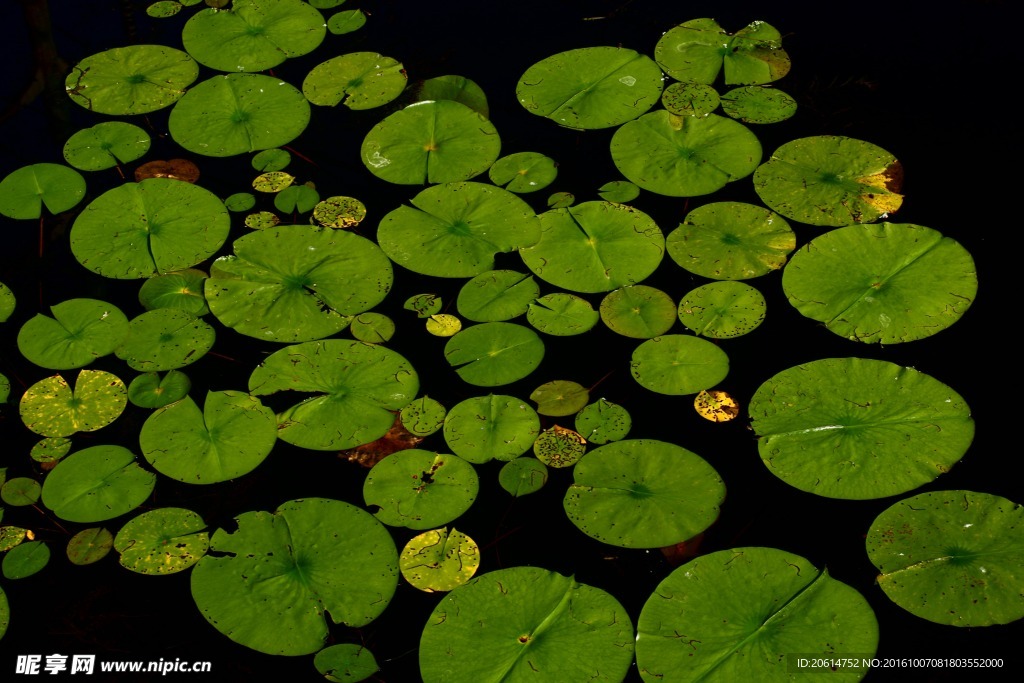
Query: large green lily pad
[80, 331]
[159, 225]
[831, 180]
[357, 387]
[595, 247]
[297, 283]
[435, 141]
[953, 557]
[526, 624]
[137, 79]
[493, 426]
[698, 50]
[420, 489]
[228, 438]
[684, 156]
[24, 192]
[274, 581]
[96, 484]
[857, 428]
[884, 283]
[678, 364]
[642, 493]
[492, 354]
[456, 229]
[743, 614]
[592, 87]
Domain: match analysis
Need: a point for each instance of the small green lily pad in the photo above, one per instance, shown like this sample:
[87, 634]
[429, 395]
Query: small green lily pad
[106, 145]
[372, 328]
[602, 422]
[20, 491]
[457, 88]
[722, 310]
[439, 560]
[678, 365]
[638, 311]
[162, 541]
[523, 172]
[181, 289]
[497, 295]
[493, 354]
[358, 80]
[757, 104]
[25, 559]
[346, 662]
[559, 447]
[165, 339]
[523, 476]
[560, 397]
[494, 426]
[562, 314]
[150, 390]
[89, 546]
[423, 417]
[80, 331]
[690, 99]
[24, 192]
[699, 50]
[97, 484]
[420, 489]
[137, 79]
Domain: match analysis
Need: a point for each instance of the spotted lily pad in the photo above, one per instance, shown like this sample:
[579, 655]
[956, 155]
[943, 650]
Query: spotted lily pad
[700, 49]
[162, 541]
[603, 421]
[50, 408]
[722, 310]
[420, 489]
[439, 560]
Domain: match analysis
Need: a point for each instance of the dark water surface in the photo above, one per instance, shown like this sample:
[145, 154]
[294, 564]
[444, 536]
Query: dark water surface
[927, 87]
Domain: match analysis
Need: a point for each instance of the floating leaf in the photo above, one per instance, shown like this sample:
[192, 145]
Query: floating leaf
[855, 428]
[638, 311]
[595, 247]
[25, 560]
[80, 331]
[523, 172]
[345, 662]
[951, 557]
[678, 364]
[297, 199]
[642, 493]
[592, 87]
[7, 302]
[272, 181]
[493, 426]
[690, 99]
[603, 421]
[620, 191]
[439, 560]
[716, 405]
[137, 79]
[262, 220]
[270, 160]
[561, 200]
[722, 310]
[339, 212]
[562, 314]
[181, 289]
[50, 408]
[423, 417]
[497, 295]
[443, 325]
[457, 88]
[523, 476]
[698, 50]
[20, 491]
[163, 9]
[346, 21]
[106, 145]
[240, 201]
[165, 339]
[97, 484]
[492, 354]
[431, 142]
[526, 622]
[358, 80]
[884, 283]
[372, 328]
[272, 582]
[425, 305]
[50, 450]
[89, 546]
[755, 104]
[744, 615]
[560, 398]
[175, 169]
[24, 192]
[149, 390]
[162, 541]
[559, 447]
[831, 180]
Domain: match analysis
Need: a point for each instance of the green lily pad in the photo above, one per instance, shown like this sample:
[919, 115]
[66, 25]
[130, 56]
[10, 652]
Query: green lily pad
[559, 447]
[831, 180]
[560, 398]
[722, 310]
[420, 489]
[358, 80]
[181, 289]
[439, 560]
[443, 325]
[523, 476]
[698, 50]
[431, 142]
[690, 99]
[238, 113]
[297, 283]
[253, 35]
[642, 493]
[756, 104]
[162, 541]
[561, 200]
[424, 305]
[296, 199]
[20, 491]
[492, 354]
[270, 160]
[423, 417]
[731, 241]
[857, 429]
[595, 247]
[106, 145]
[96, 484]
[25, 560]
[497, 295]
[240, 201]
[156, 226]
[50, 408]
[11, 536]
[346, 21]
[526, 623]
[456, 229]
[357, 387]
[602, 422]
[163, 9]
[50, 449]
[89, 546]
[678, 365]
[273, 581]
[493, 426]
[5, 388]
[742, 614]
[137, 79]
[24, 192]
[272, 181]
[165, 339]
[951, 557]
[372, 328]
[345, 662]
[228, 438]
[562, 315]
[7, 302]
[5, 613]
[80, 331]
[684, 156]
[149, 390]
[457, 88]
[621, 191]
[592, 87]
[638, 311]
[261, 220]
[523, 172]
[884, 283]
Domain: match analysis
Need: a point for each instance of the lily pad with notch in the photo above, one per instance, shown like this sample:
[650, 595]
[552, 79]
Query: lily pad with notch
[699, 50]
[165, 339]
[457, 88]
[559, 398]
[731, 241]
[456, 229]
[297, 283]
[179, 289]
[523, 476]
[525, 623]
[435, 141]
[756, 104]
[595, 247]
[439, 560]
[80, 331]
[497, 295]
[602, 422]
[621, 191]
[492, 354]
[50, 407]
[271, 584]
[562, 315]
[722, 310]
[523, 172]
[150, 390]
[592, 87]
[855, 428]
[25, 191]
[740, 609]
[137, 79]
[162, 541]
[495, 426]
[346, 21]
[423, 416]
[96, 484]
[372, 328]
[346, 662]
[25, 559]
[559, 447]
[420, 489]
[106, 145]
[638, 311]
[358, 80]
[884, 283]
[643, 493]
[678, 364]
[356, 389]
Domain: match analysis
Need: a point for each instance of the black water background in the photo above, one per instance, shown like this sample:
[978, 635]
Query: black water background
[931, 87]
